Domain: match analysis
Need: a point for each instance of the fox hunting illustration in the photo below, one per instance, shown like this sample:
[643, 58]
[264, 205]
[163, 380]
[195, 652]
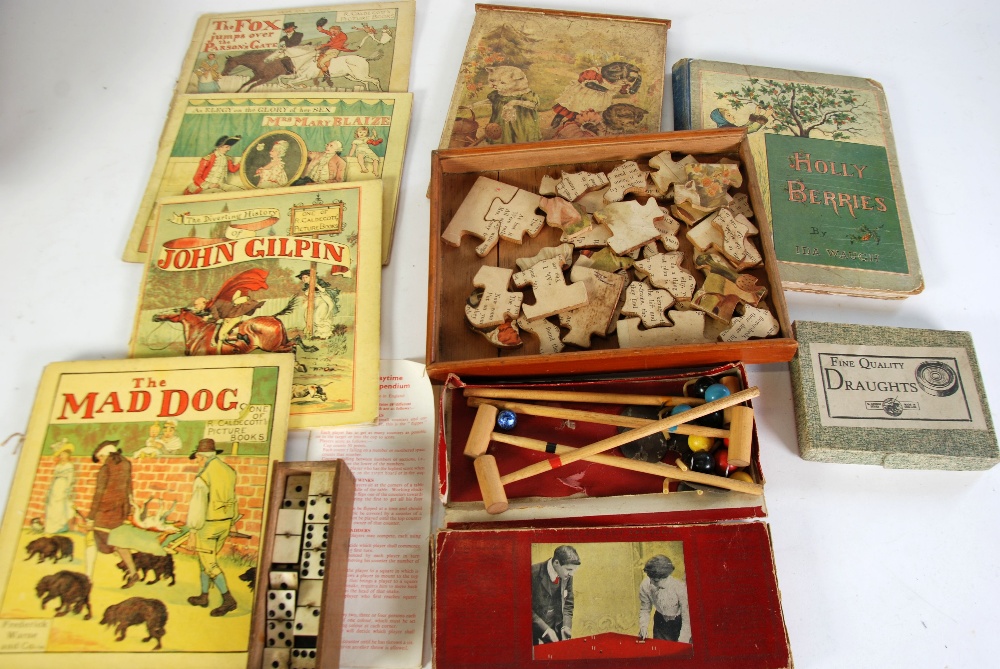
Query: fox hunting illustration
[343, 48]
[288, 271]
[136, 513]
[531, 75]
[227, 144]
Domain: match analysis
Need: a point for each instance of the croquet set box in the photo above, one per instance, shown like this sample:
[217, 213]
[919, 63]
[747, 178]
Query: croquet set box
[619, 526]
[456, 258]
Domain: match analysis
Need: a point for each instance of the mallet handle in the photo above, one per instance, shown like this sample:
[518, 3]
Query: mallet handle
[593, 417]
[572, 396]
[654, 468]
[631, 435]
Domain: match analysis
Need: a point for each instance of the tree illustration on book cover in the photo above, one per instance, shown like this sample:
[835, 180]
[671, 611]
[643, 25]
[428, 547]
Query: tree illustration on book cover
[135, 519]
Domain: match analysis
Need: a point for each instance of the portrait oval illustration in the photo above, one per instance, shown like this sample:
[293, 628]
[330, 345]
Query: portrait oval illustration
[273, 160]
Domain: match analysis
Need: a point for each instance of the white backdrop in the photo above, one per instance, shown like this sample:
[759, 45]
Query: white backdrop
[877, 568]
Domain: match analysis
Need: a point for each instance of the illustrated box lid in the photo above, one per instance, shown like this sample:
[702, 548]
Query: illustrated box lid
[722, 596]
[901, 398]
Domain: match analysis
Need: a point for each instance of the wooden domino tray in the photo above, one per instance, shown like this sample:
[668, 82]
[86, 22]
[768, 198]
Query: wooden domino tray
[299, 604]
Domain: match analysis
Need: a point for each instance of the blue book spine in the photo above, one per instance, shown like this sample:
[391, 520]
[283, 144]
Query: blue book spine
[681, 75]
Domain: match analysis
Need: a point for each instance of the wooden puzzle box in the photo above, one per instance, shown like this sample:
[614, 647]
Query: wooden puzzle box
[618, 527]
[708, 257]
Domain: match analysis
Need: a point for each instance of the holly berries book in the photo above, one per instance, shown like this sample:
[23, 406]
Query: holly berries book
[827, 168]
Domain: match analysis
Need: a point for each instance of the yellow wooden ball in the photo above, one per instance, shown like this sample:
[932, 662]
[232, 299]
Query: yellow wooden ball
[697, 443]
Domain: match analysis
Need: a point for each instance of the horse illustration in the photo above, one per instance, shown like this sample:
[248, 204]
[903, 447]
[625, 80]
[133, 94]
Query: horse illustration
[265, 67]
[266, 333]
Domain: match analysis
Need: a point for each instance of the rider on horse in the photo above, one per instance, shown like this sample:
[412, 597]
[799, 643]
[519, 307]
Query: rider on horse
[330, 50]
[231, 304]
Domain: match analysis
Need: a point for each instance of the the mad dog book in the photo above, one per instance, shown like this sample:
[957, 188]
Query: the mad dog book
[136, 513]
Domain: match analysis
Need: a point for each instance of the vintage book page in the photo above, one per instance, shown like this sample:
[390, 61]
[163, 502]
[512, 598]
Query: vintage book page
[530, 75]
[139, 504]
[277, 271]
[827, 169]
[387, 568]
[363, 47]
[224, 144]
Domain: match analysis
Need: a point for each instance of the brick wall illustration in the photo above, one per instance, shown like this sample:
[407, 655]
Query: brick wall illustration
[167, 479]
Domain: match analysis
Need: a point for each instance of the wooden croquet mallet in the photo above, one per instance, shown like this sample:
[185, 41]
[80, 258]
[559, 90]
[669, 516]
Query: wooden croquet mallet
[491, 483]
[617, 420]
[575, 396]
[653, 468]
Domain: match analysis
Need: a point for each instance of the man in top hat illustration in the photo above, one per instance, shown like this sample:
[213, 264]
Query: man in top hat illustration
[211, 514]
[212, 169]
[291, 38]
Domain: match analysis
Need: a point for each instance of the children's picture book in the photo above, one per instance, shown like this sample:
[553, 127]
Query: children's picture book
[227, 144]
[285, 270]
[827, 170]
[363, 47]
[136, 513]
[531, 74]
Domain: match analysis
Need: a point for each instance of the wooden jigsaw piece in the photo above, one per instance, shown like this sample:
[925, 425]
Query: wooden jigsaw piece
[625, 178]
[754, 322]
[558, 212]
[505, 335]
[597, 236]
[492, 305]
[706, 237]
[604, 289]
[604, 260]
[492, 210]
[564, 251]
[722, 279]
[667, 171]
[664, 271]
[548, 186]
[552, 295]
[735, 245]
[547, 333]
[517, 216]
[707, 185]
[740, 204]
[688, 213]
[668, 228]
[632, 224]
[573, 186]
[471, 215]
[592, 201]
[648, 304]
[688, 328]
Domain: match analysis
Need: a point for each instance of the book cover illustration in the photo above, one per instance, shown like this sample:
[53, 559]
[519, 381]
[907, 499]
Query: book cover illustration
[828, 171]
[529, 75]
[136, 513]
[341, 48]
[226, 144]
[289, 270]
